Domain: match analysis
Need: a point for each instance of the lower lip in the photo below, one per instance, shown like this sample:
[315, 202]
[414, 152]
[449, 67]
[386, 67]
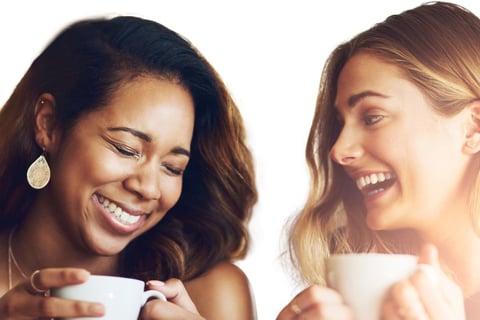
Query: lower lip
[369, 198]
[114, 224]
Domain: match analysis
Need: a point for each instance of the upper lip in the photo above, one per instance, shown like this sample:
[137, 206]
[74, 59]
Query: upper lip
[132, 210]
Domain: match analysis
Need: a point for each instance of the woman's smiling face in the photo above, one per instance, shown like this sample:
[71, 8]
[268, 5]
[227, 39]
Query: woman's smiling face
[119, 170]
[406, 159]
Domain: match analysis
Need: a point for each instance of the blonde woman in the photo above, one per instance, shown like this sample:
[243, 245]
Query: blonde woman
[394, 155]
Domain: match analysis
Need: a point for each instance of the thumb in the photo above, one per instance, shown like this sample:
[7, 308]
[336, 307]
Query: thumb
[428, 262]
[429, 255]
[175, 292]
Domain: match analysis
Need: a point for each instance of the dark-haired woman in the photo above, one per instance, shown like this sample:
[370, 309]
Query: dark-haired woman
[124, 154]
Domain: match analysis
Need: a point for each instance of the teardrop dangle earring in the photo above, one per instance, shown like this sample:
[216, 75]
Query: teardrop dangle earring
[38, 173]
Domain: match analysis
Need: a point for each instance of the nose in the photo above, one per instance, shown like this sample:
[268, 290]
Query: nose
[145, 181]
[347, 147]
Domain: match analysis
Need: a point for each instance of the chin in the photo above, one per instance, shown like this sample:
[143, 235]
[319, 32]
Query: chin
[378, 221]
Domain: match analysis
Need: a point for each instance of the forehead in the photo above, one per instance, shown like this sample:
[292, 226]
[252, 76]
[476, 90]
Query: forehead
[157, 107]
[367, 72]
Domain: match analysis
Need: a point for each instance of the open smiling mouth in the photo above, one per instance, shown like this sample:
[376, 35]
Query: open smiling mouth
[376, 182]
[117, 212]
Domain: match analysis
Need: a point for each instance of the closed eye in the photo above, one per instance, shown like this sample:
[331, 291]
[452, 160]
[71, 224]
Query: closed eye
[126, 151]
[373, 119]
[173, 170]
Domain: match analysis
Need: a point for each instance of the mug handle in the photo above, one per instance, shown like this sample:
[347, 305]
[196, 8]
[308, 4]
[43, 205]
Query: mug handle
[149, 294]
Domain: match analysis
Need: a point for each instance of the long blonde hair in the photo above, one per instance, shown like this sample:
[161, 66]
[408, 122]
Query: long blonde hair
[437, 45]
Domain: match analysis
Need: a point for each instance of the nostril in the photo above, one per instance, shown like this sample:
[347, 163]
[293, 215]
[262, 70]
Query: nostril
[338, 156]
[344, 153]
[343, 157]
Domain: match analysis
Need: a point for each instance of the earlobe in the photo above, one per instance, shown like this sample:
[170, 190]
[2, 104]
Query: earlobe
[44, 114]
[472, 128]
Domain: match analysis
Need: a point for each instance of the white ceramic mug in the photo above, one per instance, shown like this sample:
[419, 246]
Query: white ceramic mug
[363, 279]
[122, 297]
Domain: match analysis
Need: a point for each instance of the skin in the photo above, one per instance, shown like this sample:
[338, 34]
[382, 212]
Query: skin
[392, 113]
[390, 127]
[138, 168]
[229, 295]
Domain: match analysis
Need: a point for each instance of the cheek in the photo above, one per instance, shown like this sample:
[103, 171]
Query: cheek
[79, 171]
[171, 190]
[391, 151]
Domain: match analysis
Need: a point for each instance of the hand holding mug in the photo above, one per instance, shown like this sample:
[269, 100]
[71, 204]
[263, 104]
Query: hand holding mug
[427, 294]
[178, 306]
[27, 299]
[316, 302]
[122, 298]
[363, 279]
[357, 284]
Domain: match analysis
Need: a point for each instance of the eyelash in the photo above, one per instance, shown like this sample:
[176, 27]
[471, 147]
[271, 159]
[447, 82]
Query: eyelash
[174, 171]
[127, 151]
[373, 119]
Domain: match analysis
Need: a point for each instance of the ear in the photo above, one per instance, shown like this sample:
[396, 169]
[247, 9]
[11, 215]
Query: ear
[45, 121]
[472, 128]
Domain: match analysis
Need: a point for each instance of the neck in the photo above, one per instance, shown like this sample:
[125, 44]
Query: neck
[13, 266]
[48, 247]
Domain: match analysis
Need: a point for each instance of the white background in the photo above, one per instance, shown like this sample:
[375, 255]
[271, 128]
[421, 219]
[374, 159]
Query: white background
[269, 53]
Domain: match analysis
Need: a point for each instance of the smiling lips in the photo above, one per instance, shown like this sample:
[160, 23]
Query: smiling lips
[375, 182]
[117, 212]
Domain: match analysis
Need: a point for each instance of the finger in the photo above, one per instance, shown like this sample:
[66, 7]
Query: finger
[33, 288]
[157, 309]
[49, 307]
[327, 311]
[430, 281]
[429, 255]
[407, 302]
[175, 292]
[290, 311]
[317, 293]
[62, 308]
[45, 279]
[428, 293]
[441, 297]
[316, 301]
[389, 311]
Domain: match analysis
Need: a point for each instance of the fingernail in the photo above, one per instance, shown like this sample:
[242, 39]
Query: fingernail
[430, 272]
[155, 283]
[97, 309]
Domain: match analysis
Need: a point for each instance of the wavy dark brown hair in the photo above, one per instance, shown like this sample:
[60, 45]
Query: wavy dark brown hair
[82, 67]
[437, 47]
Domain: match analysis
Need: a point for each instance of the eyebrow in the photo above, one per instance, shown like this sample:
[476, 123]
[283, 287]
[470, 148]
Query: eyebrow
[354, 99]
[181, 151]
[147, 138]
[134, 132]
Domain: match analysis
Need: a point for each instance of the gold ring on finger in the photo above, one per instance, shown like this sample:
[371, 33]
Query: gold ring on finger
[32, 283]
[295, 308]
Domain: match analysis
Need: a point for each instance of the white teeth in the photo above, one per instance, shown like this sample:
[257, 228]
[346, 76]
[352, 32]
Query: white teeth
[117, 212]
[372, 179]
[381, 177]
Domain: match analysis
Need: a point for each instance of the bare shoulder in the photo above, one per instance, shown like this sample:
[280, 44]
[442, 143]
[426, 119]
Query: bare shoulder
[223, 292]
[223, 274]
